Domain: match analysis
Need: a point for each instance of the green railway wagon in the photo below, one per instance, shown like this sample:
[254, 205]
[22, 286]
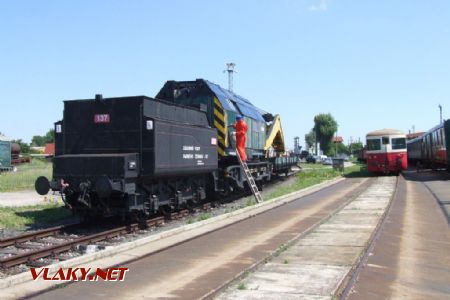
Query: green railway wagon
[221, 107]
[5, 155]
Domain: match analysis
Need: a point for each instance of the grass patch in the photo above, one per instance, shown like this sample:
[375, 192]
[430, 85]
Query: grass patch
[25, 176]
[250, 202]
[285, 261]
[19, 217]
[318, 175]
[283, 248]
[241, 286]
[303, 180]
[357, 170]
[204, 216]
[311, 166]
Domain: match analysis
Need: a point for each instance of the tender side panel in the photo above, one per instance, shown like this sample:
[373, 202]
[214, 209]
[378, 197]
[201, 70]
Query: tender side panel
[113, 166]
[184, 149]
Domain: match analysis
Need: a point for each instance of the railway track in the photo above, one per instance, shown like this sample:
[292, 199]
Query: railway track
[45, 251]
[30, 257]
[29, 236]
[222, 252]
[71, 243]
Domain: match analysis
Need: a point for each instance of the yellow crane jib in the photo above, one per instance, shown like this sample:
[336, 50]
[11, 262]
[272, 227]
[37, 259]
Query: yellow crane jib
[275, 137]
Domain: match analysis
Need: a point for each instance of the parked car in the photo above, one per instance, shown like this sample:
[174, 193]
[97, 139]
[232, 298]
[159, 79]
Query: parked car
[327, 161]
[311, 159]
[343, 156]
[323, 157]
[304, 154]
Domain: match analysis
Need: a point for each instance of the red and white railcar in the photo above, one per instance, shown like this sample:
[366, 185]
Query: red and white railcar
[386, 151]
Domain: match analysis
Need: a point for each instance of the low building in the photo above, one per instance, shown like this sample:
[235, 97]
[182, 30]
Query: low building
[337, 139]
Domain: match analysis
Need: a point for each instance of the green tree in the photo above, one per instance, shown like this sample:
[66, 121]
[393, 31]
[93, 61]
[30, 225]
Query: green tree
[310, 139]
[37, 141]
[325, 126]
[24, 147]
[40, 141]
[355, 147]
[50, 136]
[342, 149]
[339, 147]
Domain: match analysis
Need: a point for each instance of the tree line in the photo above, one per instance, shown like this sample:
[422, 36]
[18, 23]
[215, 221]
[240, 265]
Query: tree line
[325, 128]
[36, 141]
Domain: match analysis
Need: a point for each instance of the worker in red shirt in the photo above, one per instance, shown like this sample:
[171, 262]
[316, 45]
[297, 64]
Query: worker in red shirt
[241, 136]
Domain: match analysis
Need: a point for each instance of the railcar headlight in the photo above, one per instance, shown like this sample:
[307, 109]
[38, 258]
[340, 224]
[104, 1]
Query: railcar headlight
[132, 165]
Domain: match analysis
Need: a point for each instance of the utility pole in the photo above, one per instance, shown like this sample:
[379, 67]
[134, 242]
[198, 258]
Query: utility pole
[335, 145]
[230, 70]
[316, 133]
[440, 114]
[350, 145]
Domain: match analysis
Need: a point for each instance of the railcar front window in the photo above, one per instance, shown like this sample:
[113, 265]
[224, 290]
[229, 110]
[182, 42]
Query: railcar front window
[398, 143]
[373, 145]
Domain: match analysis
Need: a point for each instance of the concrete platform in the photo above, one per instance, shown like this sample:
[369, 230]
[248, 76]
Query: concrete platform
[410, 259]
[315, 266]
[297, 279]
[257, 295]
[28, 197]
[441, 191]
[319, 255]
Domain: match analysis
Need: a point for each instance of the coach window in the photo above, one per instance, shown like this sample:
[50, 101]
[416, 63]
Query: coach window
[385, 140]
[373, 145]
[443, 137]
[398, 143]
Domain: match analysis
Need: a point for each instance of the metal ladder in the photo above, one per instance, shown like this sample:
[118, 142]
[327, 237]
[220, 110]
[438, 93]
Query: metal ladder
[250, 180]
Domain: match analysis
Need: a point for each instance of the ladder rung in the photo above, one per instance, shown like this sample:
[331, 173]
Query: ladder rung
[250, 179]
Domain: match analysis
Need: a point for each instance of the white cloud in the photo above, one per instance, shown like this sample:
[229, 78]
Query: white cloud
[321, 6]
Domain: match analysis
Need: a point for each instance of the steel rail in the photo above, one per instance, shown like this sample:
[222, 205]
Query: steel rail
[52, 250]
[13, 240]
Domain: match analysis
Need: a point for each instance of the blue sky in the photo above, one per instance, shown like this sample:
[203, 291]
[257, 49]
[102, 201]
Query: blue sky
[371, 64]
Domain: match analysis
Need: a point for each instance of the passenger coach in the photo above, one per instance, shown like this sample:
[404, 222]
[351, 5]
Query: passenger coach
[431, 149]
[386, 151]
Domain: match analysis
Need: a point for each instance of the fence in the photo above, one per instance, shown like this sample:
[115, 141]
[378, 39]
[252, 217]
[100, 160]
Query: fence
[24, 176]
